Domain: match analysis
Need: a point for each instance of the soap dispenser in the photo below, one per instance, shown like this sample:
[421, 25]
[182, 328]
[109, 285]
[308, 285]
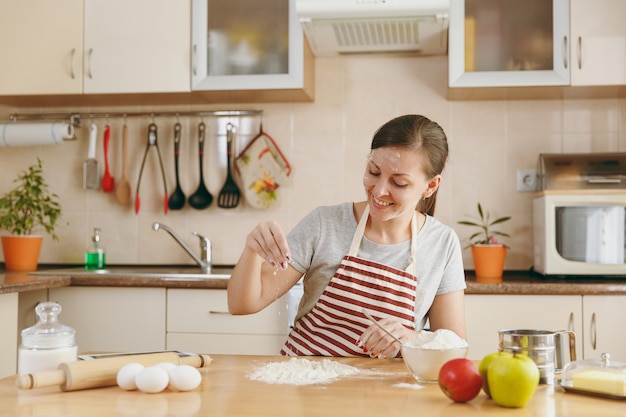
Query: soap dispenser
[95, 257]
[46, 344]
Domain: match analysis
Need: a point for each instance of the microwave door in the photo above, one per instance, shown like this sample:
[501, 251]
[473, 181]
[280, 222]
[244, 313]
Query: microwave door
[592, 234]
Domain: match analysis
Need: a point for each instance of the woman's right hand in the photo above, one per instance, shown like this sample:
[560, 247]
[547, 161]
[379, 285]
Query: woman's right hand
[268, 240]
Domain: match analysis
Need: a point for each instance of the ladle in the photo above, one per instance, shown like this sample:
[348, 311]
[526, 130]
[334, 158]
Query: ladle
[381, 327]
[202, 198]
[122, 191]
[177, 199]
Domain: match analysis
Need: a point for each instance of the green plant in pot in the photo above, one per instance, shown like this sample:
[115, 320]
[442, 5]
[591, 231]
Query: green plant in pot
[488, 252]
[27, 208]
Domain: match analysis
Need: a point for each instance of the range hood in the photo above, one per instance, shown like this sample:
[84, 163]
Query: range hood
[335, 27]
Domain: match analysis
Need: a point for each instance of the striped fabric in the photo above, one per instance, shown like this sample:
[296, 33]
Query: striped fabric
[337, 321]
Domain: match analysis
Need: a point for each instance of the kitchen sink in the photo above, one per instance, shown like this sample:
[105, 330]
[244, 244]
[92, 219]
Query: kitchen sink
[162, 272]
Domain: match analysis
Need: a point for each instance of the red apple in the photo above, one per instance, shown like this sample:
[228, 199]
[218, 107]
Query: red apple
[460, 380]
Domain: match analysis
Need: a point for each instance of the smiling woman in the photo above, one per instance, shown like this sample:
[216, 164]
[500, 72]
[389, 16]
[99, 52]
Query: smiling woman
[386, 254]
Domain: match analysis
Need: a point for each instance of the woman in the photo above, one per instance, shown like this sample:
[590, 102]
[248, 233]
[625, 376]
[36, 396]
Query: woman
[387, 255]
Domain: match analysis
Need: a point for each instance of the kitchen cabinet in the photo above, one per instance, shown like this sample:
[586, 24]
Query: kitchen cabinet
[199, 321]
[113, 319]
[8, 330]
[495, 43]
[138, 46]
[598, 42]
[245, 45]
[603, 327]
[41, 46]
[94, 47]
[486, 314]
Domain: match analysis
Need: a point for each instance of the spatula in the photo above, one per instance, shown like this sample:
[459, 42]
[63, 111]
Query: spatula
[230, 194]
[91, 177]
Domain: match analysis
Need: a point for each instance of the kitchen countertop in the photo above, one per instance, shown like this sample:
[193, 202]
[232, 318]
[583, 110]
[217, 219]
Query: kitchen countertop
[227, 390]
[514, 282]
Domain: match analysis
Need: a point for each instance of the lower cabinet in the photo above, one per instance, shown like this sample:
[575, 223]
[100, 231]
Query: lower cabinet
[603, 327]
[488, 313]
[595, 319]
[113, 319]
[198, 321]
[8, 330]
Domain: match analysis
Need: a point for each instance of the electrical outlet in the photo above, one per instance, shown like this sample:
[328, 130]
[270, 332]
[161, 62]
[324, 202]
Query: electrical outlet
[527, 180]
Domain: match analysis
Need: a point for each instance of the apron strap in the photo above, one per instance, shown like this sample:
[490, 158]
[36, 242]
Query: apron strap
[360, 231]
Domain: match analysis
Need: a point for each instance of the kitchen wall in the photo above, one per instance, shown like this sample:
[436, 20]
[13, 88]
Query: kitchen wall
[327, 142]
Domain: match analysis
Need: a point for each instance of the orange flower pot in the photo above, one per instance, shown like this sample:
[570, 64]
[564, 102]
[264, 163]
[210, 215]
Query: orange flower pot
[21, 253]
[489, 262]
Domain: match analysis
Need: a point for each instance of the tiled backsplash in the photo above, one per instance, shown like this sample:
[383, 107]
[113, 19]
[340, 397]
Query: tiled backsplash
[327, 142]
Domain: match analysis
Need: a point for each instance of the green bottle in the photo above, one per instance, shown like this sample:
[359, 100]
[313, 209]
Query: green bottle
[95, 257]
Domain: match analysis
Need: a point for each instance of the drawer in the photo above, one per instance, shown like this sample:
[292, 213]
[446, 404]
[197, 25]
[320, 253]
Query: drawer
[206, 311]
[226, 344]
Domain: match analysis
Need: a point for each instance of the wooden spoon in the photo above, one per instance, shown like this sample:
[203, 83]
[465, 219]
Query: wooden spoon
[123, 192]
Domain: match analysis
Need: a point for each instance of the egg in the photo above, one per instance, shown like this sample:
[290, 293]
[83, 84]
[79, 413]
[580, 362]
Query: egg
[185, 378]
[126, 375]
[152, 379]
[168, 366]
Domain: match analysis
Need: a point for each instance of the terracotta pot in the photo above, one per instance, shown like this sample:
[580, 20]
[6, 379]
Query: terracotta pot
[21, 253]
[489, 262]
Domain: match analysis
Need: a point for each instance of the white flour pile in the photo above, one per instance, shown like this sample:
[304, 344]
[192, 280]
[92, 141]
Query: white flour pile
[297, 371]
[439, 339]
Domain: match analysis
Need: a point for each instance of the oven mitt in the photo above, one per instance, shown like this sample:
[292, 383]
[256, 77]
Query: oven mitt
[262, 168]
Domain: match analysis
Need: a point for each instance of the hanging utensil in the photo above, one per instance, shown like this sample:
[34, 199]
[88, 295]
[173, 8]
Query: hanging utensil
[152, 142]
[123, 192]
[177, 199]
[91, 177]
[202, 198]
[229, 195]
[108, 182]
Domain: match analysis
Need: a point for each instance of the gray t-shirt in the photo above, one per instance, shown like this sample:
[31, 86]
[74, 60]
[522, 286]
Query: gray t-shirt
[321, 239]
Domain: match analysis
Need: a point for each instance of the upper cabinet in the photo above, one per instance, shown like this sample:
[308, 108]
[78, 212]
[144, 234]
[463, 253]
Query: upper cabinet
[248, 45]
[41, 45]
[598, 42]
[499, 43]
[93, 46]
[138, 46]
[508, 43]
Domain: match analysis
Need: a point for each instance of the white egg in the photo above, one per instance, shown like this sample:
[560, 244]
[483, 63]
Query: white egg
[168, 366]
[185, 378]
[152, 379]
[126, 375]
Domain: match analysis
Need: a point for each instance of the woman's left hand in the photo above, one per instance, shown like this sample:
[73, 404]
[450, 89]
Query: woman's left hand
[379, 344]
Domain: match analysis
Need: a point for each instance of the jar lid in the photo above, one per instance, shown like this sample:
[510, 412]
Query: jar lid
[48, 333]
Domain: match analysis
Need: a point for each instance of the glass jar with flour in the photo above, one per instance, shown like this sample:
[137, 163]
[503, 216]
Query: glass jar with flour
[46, 344]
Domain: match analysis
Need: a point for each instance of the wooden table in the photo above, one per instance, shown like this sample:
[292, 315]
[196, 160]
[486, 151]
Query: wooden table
[227, 390]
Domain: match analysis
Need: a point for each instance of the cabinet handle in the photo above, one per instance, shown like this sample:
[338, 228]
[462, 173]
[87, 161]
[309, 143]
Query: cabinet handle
[219, 312]
[594, 335]
[89, 62]
[72, 54]
[195, 59]
[565, 51]
[580, 52]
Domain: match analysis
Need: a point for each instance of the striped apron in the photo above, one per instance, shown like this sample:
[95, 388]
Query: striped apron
[336, 321]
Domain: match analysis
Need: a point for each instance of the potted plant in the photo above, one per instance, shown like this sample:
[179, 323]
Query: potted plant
[28, 207]
[488, 252]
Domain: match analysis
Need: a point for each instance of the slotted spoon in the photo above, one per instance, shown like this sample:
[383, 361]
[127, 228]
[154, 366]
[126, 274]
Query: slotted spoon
[230, 194]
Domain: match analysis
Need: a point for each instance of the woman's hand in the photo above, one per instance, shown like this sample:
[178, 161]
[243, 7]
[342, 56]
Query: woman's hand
[379, 344]
[268, 241]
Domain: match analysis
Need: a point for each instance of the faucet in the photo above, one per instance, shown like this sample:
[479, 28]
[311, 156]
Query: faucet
[204, 260]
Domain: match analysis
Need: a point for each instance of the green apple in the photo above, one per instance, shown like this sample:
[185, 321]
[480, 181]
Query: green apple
[484, 365]
[512, 380]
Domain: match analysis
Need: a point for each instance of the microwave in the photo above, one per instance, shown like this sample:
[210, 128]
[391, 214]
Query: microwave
[580, 232]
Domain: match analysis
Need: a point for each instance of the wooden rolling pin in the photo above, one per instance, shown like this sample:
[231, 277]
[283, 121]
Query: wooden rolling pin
[102, 372]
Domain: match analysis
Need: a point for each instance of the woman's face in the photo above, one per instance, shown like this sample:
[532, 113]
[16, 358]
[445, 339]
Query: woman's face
[395, 182]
